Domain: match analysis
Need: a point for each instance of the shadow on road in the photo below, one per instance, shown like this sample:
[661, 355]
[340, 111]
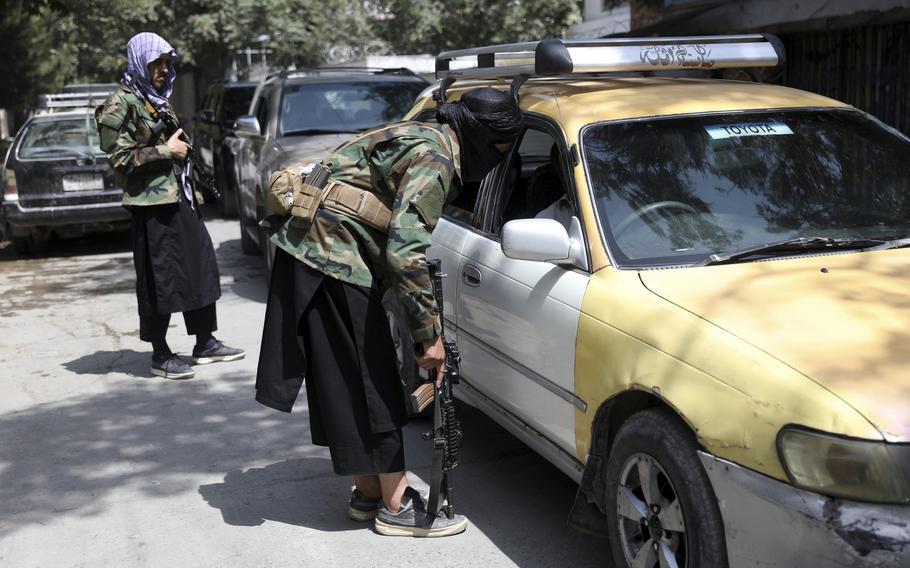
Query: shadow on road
[129, 361]
[283, 492]
[508, 492]
[153, 438]
[91, 244]
[244, 273]
[156, 439]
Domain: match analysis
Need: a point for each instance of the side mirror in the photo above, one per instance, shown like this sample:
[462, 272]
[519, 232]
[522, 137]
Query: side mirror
[542, 240]
[247, 126]
[207, 115]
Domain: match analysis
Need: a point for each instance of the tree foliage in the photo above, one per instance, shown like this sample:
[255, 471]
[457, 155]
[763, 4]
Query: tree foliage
[51, 42]
[429, 26]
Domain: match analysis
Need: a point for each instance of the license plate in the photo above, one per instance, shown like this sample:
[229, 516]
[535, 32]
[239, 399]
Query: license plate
[82, 182]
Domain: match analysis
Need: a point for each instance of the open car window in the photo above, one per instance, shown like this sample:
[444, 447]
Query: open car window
[535, 184]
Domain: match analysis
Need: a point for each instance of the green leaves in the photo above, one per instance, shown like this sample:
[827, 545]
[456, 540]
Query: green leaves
[429, 26]
[51, 42]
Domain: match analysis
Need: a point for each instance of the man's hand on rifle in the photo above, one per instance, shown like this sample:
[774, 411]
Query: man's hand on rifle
[178, 147]
[433, 357]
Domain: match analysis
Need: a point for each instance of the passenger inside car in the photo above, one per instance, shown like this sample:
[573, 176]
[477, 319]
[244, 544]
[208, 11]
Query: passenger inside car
[538, 185]
[547, 189]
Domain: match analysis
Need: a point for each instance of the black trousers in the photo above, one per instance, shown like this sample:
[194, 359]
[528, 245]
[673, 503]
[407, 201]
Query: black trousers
[176, 268]
[201, 321]
[337, 336]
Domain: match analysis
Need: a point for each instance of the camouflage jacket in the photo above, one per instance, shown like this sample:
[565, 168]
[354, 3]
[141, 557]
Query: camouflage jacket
[143, 167]
[415, 166]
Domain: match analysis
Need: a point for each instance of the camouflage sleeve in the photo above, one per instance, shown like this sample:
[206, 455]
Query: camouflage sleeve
[119, 140]
[418, 204]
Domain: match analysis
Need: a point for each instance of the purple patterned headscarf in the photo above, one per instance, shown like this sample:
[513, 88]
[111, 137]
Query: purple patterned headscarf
[141, 50]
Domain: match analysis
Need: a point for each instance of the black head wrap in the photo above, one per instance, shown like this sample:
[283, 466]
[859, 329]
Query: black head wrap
[483, 117]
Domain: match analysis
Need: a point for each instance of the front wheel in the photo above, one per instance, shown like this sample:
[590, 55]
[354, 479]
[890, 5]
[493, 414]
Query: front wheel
[661, 509]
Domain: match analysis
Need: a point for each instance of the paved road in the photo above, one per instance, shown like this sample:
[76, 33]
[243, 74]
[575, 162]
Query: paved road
[103, 464]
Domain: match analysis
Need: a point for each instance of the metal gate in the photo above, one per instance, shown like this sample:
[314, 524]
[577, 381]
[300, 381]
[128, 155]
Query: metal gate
[867, 67]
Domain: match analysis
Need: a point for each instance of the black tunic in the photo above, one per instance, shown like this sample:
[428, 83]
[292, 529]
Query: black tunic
[336, 335]
[176, 269]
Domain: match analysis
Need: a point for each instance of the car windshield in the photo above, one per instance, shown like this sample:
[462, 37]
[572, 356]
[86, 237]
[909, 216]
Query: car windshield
[60, 137]
[675, 191]
[237, 102]
[344, 107]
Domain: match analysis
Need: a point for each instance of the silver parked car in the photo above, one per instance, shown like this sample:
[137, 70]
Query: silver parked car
[304, 114]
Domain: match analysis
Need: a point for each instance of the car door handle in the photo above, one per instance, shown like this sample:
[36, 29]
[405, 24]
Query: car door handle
[471, 275]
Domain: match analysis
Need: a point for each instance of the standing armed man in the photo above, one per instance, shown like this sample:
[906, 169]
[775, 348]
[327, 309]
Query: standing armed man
[176, 270]
[369, 228]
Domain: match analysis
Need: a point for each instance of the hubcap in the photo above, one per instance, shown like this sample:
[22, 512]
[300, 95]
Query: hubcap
[651, 525]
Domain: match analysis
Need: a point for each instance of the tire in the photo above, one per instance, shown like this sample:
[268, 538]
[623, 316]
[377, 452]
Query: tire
[23, 245]
[404, 349]
[655, 444]
[227, 205]
[247, 243]
[265, 245]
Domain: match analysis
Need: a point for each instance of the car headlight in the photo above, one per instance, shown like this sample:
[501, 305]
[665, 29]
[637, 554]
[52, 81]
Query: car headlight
[840, 467]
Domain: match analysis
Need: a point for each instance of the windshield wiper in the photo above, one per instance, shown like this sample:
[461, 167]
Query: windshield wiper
[306, 131]
[893, 244]
[794, 245]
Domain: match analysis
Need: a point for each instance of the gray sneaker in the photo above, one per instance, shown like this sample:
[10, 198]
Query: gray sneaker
[361, 507]
[216, 351]
[412, 519]
[172, 367]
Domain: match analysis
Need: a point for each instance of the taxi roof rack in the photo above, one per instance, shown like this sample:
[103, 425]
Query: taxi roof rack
[75, 97]
[555, 57]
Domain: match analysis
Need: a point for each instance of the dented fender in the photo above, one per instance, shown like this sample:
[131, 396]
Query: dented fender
[734, 396]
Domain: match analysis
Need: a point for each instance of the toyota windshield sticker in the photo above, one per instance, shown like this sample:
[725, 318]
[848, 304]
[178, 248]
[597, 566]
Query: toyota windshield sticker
[767, 128]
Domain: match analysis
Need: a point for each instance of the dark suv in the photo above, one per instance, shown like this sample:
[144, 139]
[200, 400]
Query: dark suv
[302, 115]
[56, 179]
[213, 132]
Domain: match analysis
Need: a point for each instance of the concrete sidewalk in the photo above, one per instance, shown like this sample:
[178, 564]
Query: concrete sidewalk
[102, 464]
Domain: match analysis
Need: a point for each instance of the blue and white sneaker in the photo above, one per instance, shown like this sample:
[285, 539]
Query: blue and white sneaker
[171, 367]
[412, 519]
[362, 508]
[216, 351]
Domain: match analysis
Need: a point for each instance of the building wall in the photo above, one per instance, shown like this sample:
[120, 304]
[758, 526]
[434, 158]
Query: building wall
[781, 15]
[865, 66]
[854, 51]
[599, 22]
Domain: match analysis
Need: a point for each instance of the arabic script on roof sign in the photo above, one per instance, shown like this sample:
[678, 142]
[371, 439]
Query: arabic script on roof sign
[686, 56]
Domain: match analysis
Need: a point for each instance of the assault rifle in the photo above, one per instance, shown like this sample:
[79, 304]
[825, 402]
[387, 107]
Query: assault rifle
[206, 182]
[446, 434]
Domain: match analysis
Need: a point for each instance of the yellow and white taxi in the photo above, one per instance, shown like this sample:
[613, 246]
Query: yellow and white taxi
[691, 295]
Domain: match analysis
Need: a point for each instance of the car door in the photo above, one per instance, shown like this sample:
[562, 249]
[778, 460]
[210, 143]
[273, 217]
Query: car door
[517, 320]
[458, 222]
[257, 147]
[202, 137]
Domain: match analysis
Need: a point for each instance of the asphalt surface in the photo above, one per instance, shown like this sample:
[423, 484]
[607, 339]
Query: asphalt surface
[103, 464]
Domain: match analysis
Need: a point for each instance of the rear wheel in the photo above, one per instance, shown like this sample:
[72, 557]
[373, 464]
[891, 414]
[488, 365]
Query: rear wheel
[23, 245]
[247, 243]
[661, 509]
[227, 205]
[28, 242]
[265, 243]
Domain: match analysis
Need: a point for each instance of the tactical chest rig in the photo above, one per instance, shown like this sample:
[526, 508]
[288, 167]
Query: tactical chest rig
[301, 192]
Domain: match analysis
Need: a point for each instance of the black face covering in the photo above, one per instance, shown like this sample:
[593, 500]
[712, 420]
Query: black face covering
[483, 117]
